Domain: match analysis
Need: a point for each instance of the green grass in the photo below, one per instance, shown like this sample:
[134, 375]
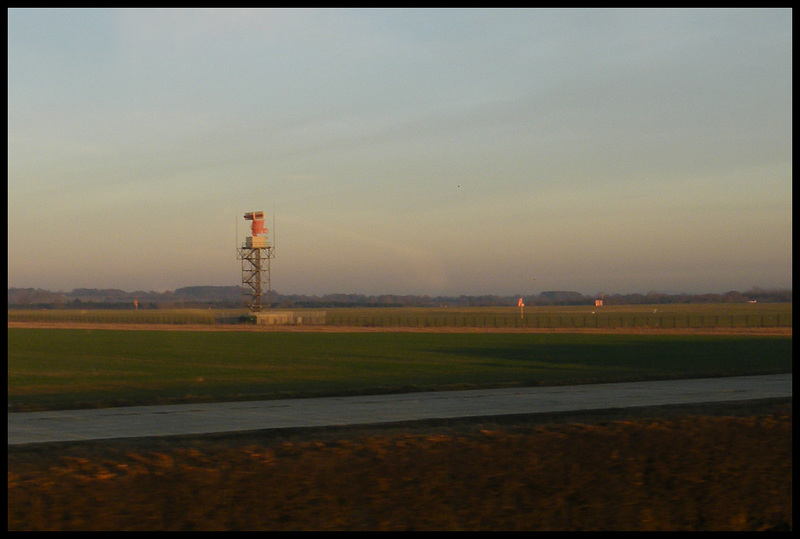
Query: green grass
[67, 368]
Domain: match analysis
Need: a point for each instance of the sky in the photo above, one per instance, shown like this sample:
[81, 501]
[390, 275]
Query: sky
[402, 151]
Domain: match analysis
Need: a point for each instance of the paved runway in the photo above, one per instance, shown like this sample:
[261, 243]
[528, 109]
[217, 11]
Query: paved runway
[142, 421]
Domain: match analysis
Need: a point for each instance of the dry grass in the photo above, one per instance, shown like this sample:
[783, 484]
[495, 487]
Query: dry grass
[728, 469]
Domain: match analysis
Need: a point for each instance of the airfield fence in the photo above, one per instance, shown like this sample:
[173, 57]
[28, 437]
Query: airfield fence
[435, 319]
[566, 321]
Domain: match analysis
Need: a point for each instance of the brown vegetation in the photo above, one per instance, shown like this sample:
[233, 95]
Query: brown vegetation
[680, 472]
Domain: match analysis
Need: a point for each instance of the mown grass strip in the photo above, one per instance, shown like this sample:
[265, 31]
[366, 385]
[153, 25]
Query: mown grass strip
[65, 368]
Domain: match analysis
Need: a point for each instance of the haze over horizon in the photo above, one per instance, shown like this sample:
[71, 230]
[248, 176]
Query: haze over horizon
[402, 151]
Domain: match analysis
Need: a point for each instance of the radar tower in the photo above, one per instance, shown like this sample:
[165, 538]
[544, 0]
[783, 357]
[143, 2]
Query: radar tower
[255, 254]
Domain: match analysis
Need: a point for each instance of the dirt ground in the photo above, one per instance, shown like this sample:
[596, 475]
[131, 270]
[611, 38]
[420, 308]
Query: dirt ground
[671, 468]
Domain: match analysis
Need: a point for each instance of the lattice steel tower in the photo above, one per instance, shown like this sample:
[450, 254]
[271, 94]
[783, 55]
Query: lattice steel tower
[255, 255]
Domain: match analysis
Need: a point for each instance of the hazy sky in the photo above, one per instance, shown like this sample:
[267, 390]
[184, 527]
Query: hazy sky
[412, 151]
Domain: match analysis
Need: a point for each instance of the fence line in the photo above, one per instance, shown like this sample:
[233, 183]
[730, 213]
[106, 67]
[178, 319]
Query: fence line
[441, 320]
[558, 321]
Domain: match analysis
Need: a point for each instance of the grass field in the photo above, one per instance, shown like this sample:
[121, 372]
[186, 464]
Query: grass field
[66, 368]
[723, 467]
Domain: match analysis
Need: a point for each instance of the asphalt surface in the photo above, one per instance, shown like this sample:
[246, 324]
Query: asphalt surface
[207, 418]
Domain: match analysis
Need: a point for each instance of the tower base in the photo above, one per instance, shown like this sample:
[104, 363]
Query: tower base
[290, 318]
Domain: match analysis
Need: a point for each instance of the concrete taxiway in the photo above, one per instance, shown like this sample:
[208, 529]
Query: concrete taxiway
[207, 418]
